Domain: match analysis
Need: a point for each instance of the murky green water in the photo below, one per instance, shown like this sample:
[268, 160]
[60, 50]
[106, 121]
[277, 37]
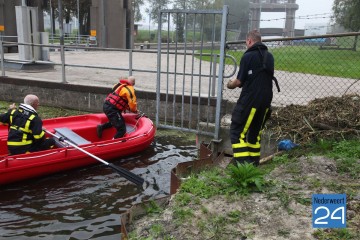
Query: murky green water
[87, 203]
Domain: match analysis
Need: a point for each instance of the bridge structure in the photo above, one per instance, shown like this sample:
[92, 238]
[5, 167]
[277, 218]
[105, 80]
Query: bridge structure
[287, 6]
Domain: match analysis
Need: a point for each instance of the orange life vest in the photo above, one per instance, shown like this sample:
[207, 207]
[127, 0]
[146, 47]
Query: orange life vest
[119, 102]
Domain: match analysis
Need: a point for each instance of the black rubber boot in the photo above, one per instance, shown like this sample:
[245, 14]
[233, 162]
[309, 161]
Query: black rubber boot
[99, 130]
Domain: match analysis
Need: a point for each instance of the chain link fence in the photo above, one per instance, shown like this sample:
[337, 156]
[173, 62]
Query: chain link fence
[306, 67]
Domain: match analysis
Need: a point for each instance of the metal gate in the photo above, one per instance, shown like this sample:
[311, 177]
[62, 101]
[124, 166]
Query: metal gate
[190, 62]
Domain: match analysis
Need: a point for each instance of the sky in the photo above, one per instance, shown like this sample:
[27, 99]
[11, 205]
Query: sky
[309, 12]
[314, 10]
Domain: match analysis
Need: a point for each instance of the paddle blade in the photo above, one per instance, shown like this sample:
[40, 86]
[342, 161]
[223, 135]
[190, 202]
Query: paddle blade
[128, 175]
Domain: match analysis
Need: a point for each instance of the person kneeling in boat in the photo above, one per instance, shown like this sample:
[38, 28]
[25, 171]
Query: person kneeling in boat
[25, 128]
[120, 99]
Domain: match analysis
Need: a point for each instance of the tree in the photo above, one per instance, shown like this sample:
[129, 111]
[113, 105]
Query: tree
[179, 19]
[238, 16]
[84, 16]
[347, 14]
[69, 10]
[154, 8]
[156, 5]
[136, 9]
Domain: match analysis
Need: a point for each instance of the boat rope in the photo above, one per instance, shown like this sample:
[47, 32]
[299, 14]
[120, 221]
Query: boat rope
[141, 115]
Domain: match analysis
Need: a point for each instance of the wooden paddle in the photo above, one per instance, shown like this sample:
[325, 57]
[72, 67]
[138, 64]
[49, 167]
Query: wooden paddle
[121, 171]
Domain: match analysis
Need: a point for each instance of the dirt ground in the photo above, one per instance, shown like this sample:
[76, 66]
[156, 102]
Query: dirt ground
[263, 216]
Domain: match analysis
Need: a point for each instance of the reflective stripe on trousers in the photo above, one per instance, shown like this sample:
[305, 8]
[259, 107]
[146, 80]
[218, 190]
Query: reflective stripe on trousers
[245, 151]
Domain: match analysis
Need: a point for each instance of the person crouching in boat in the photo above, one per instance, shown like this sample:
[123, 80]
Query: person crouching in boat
[120, 99]
[25, 128]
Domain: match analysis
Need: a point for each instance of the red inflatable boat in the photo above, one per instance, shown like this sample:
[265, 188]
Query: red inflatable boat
[81, 131]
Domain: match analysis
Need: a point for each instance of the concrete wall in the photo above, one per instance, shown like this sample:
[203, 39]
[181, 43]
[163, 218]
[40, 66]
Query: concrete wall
[112, 21]
[90, 98]
[78, 97]
[8, 19]
[27, 32]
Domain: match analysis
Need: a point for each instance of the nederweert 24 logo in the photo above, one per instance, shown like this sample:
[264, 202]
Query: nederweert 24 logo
[329, 210]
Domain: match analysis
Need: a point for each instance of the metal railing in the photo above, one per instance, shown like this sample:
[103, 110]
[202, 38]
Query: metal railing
[130, 52]
[74, 39]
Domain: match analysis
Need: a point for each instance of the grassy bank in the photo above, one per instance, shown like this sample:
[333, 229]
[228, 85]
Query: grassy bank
[46, 112]
[269, 202]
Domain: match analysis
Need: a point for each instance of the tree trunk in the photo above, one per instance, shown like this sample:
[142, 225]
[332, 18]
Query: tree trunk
[84, 19]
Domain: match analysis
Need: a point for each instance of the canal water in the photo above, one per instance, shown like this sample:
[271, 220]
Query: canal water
[86, 203]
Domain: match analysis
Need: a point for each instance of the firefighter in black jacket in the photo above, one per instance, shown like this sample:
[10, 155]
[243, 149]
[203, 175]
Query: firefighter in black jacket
[25, 128]
[253, 106]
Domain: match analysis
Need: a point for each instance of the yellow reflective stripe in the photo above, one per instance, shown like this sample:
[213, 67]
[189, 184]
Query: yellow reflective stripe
[247, 125]
[242, 154]
[247, 154]
[260, 132]
[40, 135]
[11, 115]
[242, 145]
[239, 145]
[27, 124]
[21, 129]
[254, 154]
[19, 143]
[24, 137]
[256, 145]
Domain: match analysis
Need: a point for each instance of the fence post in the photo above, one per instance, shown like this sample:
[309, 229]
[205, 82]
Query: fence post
[130, 61]
[213, 84]
[216, 139]
[62, 54]
[2, 58]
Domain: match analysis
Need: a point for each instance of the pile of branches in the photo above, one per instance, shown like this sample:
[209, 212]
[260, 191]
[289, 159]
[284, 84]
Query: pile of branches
[326, 118]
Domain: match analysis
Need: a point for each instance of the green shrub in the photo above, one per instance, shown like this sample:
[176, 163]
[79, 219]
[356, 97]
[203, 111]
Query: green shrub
[244, 178]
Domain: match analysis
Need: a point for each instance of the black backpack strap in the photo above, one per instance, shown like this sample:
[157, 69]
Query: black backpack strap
[276, 83]
[115, 87]
[265, 68]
